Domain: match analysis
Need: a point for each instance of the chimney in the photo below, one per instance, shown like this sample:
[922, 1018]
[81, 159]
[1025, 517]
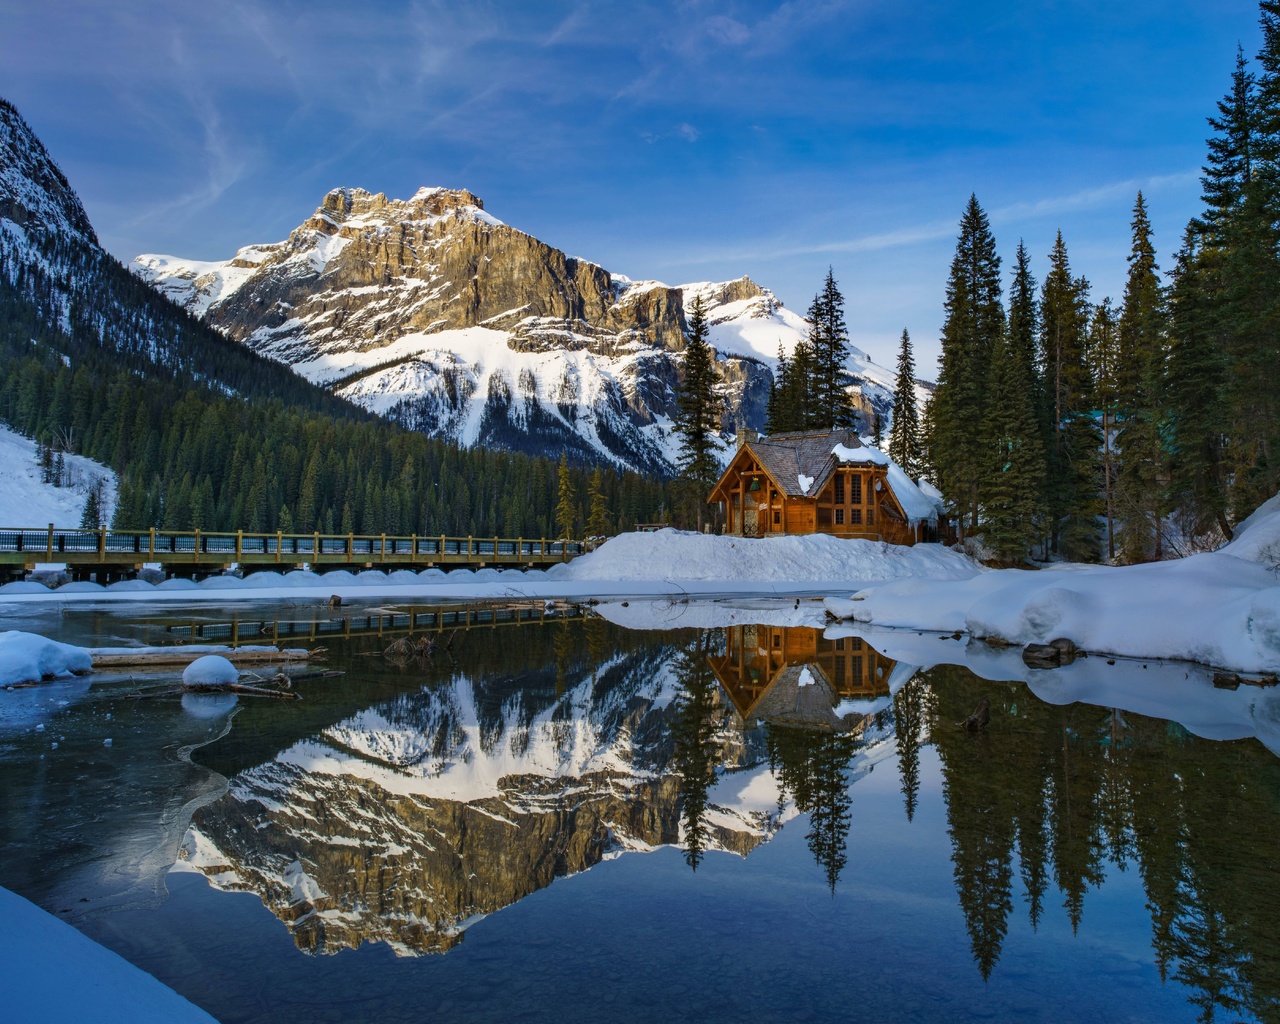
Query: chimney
[746, 435]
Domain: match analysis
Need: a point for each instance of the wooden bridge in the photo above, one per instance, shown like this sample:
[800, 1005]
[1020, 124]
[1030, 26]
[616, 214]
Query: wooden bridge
[118, 554]
[407, 621]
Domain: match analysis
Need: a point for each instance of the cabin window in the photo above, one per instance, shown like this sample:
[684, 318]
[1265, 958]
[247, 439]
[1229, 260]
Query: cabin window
[839, 669]
[777, 517]
[871, 517]
[839, 517]
[855, 516]
[855, 643]
[824, 516]
[777, 640]
[839, 484]
[856, 665]
[840, 644]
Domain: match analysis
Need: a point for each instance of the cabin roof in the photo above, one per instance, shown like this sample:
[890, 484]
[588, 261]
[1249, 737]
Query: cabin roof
[801, 461]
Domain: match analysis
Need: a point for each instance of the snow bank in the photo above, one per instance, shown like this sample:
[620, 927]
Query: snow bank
[1221, 608]
[674, 555]
[50, 972]
[211, 670]
[668, 562]
[28, 658]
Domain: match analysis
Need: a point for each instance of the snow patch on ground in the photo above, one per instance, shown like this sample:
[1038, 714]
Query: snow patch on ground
[1221, 608]
[29, 658]
[26, 501]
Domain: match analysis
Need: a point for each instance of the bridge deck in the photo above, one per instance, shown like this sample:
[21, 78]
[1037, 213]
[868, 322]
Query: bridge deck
[23, 548]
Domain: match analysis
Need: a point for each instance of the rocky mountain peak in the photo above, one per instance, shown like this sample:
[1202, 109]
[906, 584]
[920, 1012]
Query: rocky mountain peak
[34, 193]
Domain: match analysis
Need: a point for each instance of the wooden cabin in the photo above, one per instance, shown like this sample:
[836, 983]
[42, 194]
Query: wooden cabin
[822, 482]
[759, 660]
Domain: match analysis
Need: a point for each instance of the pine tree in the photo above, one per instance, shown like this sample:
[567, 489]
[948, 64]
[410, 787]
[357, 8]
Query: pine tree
[91, 518]
[975, 320]
[1073, 460]
[1104, 358]
[1141, 481]
[598, 514]
[1194, 388]
[904, 432]
[830, 405]
[697, 417]
[1012, 505]
[566, 501]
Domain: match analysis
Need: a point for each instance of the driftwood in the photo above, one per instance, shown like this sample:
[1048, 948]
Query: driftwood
[159, 656]
[245, 688]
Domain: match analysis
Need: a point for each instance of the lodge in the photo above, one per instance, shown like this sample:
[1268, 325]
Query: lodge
[823, 482]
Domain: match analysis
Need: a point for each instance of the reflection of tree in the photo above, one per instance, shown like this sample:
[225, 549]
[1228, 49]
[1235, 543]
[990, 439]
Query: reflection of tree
[696, 751]
[812, 765]
[908, 721]
[1078, 787]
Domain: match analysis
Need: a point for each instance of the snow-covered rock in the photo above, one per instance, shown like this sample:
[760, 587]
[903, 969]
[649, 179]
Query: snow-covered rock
[29, 658]
[211, 670]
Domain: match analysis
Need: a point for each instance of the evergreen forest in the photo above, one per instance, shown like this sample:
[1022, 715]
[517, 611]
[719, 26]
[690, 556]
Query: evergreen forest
[1132, 430]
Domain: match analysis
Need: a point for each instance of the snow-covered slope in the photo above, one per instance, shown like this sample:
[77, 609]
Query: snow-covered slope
[434, 313]
[25, 500]
[34, 193]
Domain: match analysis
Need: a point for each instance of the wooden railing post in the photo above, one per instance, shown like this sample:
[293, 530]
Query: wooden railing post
[470, 549]
[279, 543]
[413, 548]
[351, 546]
[152, 549]
[195, 556]
[50, 558]
[442, 547]
[102, 543]
[315, 548]
[239, 544]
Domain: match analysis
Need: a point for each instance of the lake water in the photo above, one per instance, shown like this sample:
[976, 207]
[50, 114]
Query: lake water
[564, 819]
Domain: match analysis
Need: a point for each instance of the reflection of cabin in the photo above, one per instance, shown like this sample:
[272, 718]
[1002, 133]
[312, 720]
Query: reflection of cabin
[822, 482]
[759, 658]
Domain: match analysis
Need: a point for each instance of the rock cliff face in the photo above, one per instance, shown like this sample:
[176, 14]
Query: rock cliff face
[408, 822]
[436, 314]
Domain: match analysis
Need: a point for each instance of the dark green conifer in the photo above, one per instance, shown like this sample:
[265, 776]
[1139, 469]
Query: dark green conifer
[974, 321]
[904, 432]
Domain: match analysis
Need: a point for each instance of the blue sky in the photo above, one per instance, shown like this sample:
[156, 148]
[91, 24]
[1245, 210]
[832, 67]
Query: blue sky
[678, 141]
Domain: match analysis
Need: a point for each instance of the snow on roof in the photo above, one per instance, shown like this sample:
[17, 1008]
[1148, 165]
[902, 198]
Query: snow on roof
[918, 505]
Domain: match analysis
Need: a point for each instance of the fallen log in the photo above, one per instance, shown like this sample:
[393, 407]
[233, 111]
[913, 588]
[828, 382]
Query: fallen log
[245, 688]
[131, 657]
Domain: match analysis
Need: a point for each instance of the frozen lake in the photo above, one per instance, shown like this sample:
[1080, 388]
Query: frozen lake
[743, 815]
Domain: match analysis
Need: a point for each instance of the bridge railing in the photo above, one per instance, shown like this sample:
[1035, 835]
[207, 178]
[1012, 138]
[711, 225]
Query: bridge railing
[58, 545]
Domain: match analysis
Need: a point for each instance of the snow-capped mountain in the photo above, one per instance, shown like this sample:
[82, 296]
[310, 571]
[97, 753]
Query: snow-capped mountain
[434, 313]
[34, 193]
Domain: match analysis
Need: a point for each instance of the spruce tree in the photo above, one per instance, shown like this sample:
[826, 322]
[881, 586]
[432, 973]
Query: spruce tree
[1104, 358]
[598, 507]
[904, 432]
[566, 500]
[1012, 505]
[831, 406]
[1072, 460]
[974, 322]
[1141, 481]
[698, 417]
[1194, 386]
[91, 517]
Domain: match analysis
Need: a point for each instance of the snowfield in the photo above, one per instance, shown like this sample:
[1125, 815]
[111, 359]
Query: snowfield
[1221, 608]
[26, 501]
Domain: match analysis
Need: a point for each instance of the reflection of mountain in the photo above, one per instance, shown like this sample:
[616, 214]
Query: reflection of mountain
[793, 675]
[410, 820]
